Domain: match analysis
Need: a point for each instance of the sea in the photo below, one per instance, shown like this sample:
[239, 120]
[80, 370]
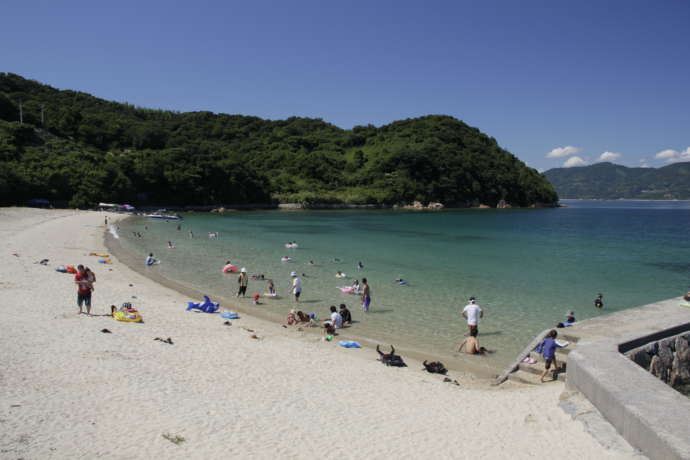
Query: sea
[527, 267]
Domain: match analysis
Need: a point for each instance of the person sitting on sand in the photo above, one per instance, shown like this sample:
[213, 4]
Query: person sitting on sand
[345, 314]
[472, 344]
[302, 317]
[336, 321]
[291, 319]
[150, 260]
[549, 346]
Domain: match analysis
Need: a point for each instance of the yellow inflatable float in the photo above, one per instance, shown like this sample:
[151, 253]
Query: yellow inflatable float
[128, 317]
[99, 255]
[126, 313]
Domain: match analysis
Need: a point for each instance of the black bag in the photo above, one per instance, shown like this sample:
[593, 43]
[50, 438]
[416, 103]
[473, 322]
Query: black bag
[435, 367]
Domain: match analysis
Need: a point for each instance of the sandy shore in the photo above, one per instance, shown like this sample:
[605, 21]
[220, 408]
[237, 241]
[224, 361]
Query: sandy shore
[70, 391]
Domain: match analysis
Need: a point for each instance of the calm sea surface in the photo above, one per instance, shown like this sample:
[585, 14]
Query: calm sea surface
[526, 267]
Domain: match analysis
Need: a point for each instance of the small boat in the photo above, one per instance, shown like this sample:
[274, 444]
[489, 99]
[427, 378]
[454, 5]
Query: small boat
[161, 215]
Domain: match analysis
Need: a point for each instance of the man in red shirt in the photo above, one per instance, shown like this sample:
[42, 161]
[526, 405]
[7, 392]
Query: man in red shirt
[84, 288]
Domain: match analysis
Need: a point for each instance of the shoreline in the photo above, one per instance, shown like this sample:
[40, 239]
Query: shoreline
[72, 391]
[133, 262]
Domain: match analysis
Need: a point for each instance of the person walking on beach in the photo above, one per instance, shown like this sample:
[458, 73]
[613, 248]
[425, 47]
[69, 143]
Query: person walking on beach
[548, 351]
[84, 288]
[366, 295]
[243, 281]
[472, 312]
[296, 286]
[599, 301]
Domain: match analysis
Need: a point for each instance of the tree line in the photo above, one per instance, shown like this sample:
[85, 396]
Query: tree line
[73, 148]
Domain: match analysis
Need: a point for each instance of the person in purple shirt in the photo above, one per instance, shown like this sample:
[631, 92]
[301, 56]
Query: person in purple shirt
[548, 351]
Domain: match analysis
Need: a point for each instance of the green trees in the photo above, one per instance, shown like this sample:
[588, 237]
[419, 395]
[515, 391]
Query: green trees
[91, 150]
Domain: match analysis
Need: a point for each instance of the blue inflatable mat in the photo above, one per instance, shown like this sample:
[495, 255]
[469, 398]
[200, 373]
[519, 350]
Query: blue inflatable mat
[349, 344]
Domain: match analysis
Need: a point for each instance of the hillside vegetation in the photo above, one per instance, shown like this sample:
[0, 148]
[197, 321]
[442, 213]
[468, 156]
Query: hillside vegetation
[611, 181]
[77, 149]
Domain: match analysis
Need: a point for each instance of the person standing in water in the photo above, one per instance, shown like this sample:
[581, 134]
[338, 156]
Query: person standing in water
[243, 281]
[366, 295]
[472, 312]
[296, 286]
[599, 301]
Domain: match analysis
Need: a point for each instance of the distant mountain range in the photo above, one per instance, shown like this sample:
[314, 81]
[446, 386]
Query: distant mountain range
[611, 181]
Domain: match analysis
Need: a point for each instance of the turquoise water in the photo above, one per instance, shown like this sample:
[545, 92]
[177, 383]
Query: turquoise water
[526, 267]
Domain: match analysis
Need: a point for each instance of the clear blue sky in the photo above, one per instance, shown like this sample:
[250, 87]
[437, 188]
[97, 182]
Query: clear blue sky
[598, 76]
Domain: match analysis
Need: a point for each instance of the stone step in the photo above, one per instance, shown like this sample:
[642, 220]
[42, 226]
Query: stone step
[533, 379]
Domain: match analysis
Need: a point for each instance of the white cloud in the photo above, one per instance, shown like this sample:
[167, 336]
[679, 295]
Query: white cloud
[609, 156]
[574, 161]
[673, 156]
[560, 152]
[643, 163]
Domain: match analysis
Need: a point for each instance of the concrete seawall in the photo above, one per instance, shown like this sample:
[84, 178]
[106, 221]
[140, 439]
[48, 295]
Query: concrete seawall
[649, 414]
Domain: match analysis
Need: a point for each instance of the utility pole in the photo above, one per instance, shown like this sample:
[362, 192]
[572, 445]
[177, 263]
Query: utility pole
[21, 114]
[43, 121]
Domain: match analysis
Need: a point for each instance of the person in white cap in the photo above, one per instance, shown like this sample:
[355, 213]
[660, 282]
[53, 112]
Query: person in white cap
[243, 281]
[296, 285]
[472, 312]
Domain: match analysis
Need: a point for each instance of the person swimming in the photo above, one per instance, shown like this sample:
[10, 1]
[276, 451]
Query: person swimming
[170, 245]
[360, 266]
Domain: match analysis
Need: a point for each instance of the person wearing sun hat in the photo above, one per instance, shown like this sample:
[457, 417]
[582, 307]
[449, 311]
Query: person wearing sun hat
[243, 281]
[296, 285]
[472, 312]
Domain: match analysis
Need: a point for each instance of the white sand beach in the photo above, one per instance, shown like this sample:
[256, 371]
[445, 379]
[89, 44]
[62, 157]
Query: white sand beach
[70, 391]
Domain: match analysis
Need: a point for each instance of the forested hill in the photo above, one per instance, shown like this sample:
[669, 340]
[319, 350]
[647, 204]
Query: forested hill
[77, 149]
[610, 181]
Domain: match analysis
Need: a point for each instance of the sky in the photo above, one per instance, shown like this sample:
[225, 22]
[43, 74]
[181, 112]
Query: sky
[556, 83]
